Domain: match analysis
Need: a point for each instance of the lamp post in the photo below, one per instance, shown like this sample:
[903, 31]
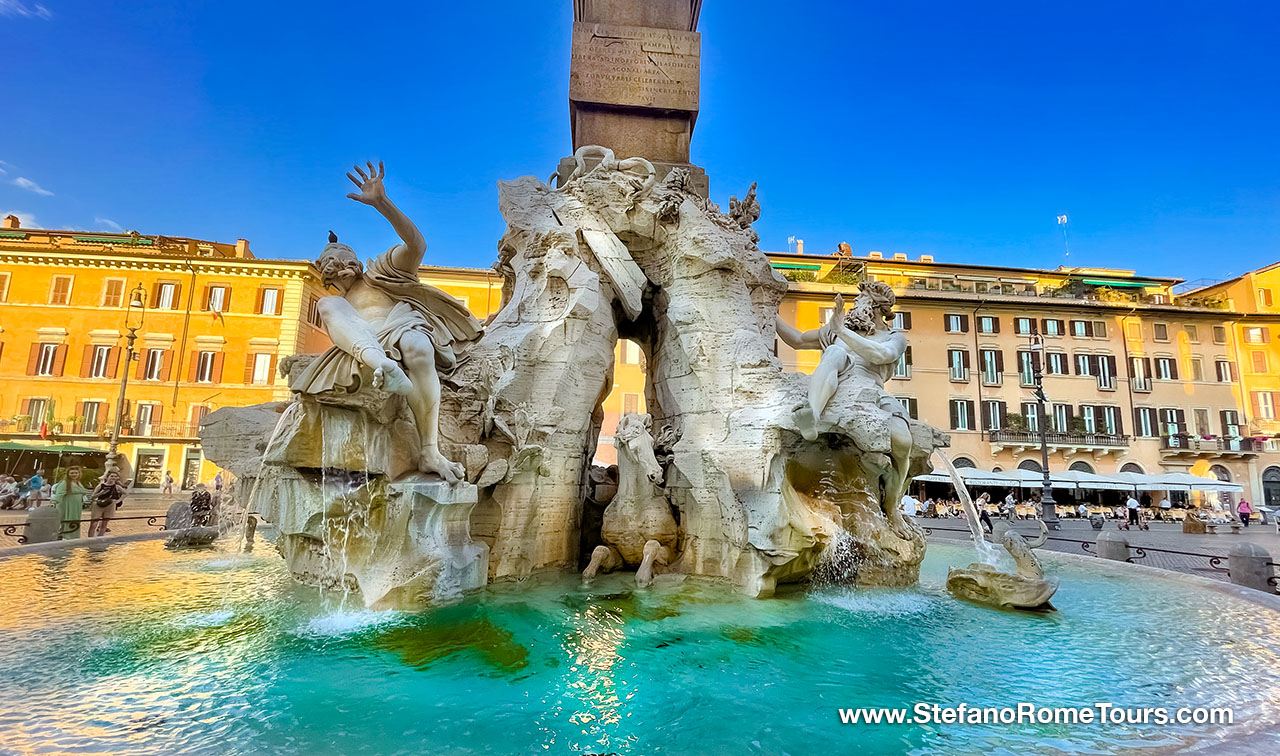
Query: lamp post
[1048, 511]
[133, 317]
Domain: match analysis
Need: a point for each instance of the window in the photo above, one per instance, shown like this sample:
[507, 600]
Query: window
[1200, 419]
[993, 415]
[824, 314]
[1264, 297]
[146, 415]
[1173, 422]
[630, 404]
[153, 367]
[1099, 329]
[60, 291]
[261, 369]
[1230, 423]
[37, 410]
[1023, 326]
[1259, 360]
[1257, 335]
[92, 413]
[902, 321]
[1144, 419]
[1160, 331]
[47, 360]
[988, 324]
[1026, 368]
[1193, 333]
[1089, 415]
[992, 366]
[957, 323]
[1084, 364]
[1104, 367]
[100, 362]
[1061, 418]
[902, 368]
[1082, 329]
[630, 352]
[958, 363]
[1110, 421]
[1051, 327]
[4, 287]
[269, 301]
[1264, 404]
[1219, 334]
[166, 296]
[313, 311]
[1166, 369]
[1226, 371]
[962, 414]
[1133, 331]
[204, 366]
[1056, 363]
[909, 406]
[1031, 413]
[1197, 369]
[216, 298]
[113, 292]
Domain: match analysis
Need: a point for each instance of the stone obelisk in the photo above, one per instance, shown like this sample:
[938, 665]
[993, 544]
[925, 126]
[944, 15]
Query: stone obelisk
[633, 80]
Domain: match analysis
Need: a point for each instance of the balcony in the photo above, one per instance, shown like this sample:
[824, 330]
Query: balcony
[1072, 443]
[991, 378]
[959, 374]
[1141, 385]
[101, 430]
[1191, 445]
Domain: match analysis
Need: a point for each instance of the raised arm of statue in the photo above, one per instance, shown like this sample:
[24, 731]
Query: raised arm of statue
[795, 338]
[874, 352]
[408, 255]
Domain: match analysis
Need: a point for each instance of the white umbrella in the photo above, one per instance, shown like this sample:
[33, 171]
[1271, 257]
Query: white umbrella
[1035, 479]
[971, 475]
[1196, 483]
[1092, 482]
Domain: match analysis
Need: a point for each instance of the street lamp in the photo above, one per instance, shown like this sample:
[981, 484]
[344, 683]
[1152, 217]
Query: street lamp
[134, 314]
[1048, 511]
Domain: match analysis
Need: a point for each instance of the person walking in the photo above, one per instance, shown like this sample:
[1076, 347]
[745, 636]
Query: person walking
[9, 494]
[68, 497]
[1244, 509]
[1166, 509]
[168, 482]
[106, 497]
[983, 515]
[1131, 504]
[34, 489]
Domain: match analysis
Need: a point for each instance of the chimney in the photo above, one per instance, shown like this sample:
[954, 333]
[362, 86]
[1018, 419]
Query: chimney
[926, 258]
[242, 248]
[11, 221]
[799, 246]
[875, 255]
[899, 255]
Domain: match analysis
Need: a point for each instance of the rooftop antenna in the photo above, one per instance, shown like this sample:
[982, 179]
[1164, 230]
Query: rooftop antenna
[791, 244]
[1062, 223]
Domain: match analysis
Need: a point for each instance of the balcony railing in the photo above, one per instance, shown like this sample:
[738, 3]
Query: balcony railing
[959, 374]
[102, 429]
[1054, 438]
[1189, 442]
[1141, 384]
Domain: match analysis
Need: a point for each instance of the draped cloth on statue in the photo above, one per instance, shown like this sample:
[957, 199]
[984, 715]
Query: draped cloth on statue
[421, 308]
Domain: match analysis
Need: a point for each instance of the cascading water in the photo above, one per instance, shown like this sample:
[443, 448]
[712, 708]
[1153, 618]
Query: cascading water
[839, 561]
[985, 551]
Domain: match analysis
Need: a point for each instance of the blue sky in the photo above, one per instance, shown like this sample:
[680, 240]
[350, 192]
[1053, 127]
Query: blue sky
[959, 130]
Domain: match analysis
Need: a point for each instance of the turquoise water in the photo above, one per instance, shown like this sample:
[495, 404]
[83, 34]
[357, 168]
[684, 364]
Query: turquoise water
[136, 650]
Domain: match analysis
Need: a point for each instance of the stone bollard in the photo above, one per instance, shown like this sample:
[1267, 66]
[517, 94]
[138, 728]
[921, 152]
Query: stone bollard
[43, 524]
[1112, 545]
[1250, 566]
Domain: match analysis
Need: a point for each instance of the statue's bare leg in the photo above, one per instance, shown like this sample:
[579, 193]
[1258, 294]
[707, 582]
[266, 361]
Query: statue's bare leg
[896, 475]
[602, 558]
[822, 386]
[419, 357]
[350, 332]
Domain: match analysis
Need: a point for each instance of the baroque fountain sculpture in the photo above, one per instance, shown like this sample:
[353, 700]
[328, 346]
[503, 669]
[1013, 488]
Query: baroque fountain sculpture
[424, 455]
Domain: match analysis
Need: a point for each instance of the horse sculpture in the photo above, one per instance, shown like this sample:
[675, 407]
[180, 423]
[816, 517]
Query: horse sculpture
[638, 529]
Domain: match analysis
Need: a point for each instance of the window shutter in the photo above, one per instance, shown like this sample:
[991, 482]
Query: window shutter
[248, 363]
[964, 324]
[34, 359]
[155, 296]
[906, 321]
[1119, 416]
[1173, 367]
[1181, 414]
[1071, 414]
[279, 302]
[1224, 417]
[142, 364]
[912, 409]
[964, 358]
[1002, 418]
[986, 415]
[999, 355]
[157, 412]
[968, 406]
[177, 296]
[955, 414]
[908, 354]
[1111, 365]
[86, 362]
[271, 370]
[257, 307]
[217, 367]
[113, 362]
[1088, 328]
[205, 303]
[59, 359]
[166, 364]
[1255, 403]
[1146, 365]
[995, 324]
[193, 367]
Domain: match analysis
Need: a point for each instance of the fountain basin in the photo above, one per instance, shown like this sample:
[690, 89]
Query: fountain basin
[132, 649]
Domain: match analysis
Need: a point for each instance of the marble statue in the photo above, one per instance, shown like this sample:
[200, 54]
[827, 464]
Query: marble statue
[638, 529]
[736, 485]
[387, 327]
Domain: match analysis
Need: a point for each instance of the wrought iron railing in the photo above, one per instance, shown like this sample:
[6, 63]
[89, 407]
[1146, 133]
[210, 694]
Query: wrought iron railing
[1032, 438]
[1192, 442]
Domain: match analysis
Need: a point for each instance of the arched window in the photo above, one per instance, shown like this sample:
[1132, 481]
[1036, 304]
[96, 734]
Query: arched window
[960, 462]
[997, 468]
[1030, 464]
[1131, 467]
[1271, 486]
[1083, 467]
[1221, 473]
[1271, 475]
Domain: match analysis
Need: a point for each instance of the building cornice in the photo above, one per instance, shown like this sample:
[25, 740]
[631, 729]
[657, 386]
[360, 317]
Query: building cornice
[164, 263]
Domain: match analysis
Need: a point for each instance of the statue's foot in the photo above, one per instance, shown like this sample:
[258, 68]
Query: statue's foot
[432, 461]
[390, 377]
[806, 423]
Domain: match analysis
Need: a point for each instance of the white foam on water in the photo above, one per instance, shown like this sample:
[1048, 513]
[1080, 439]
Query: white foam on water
[877, 603]
[206, 619]
[347, 622]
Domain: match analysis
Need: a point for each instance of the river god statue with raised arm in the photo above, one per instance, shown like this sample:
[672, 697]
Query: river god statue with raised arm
[387, 327]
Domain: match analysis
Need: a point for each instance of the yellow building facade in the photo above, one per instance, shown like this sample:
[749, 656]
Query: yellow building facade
[1139, 378]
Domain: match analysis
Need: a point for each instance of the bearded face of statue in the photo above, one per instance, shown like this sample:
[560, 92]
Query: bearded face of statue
[339, 267]
[862, 315]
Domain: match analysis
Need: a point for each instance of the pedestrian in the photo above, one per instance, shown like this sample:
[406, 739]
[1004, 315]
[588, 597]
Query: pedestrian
[1131, 504]
[168, 482]
[909, 505]
[201, 505]
[34, 489]
[1244, 510]
[105, 499]
[983, 515]
[217, 482]
[1166, 509]
[9, 493]
[1082, 511]
[1010, 502]
[68, 497]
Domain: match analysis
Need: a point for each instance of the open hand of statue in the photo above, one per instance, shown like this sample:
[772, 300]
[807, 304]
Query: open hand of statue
[839, 309]
[370, 184]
